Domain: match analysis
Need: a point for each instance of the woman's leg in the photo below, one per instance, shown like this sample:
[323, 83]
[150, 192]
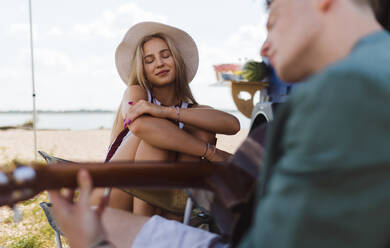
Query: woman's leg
[150, 153]
[118, 198]
[202, 135]
[134, 148]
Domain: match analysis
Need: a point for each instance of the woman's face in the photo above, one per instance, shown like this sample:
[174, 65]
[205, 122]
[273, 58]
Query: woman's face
[158, 62]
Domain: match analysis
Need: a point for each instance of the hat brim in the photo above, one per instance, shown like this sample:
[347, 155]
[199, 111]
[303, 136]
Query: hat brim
[182, 40]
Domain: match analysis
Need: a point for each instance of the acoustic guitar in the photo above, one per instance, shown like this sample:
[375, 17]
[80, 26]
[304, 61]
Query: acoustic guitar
[232, 182]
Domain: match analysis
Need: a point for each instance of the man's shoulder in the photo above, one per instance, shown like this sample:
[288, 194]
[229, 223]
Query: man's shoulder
[366, 66]
[370, 57]
[340, 107]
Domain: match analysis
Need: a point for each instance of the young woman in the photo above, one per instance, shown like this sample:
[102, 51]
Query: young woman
[158, 118]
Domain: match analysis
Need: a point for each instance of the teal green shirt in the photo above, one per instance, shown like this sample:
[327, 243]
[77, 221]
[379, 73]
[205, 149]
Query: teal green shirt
[327, 176]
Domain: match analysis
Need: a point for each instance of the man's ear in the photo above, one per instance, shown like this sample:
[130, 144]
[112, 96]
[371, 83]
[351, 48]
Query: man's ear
[325, 5]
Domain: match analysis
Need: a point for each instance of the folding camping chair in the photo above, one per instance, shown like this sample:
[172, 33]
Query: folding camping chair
[202, 216]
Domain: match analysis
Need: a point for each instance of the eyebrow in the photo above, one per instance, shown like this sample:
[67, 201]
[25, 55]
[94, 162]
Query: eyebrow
[272, 13]
[163, 50]
[273, 5]
[270, 19]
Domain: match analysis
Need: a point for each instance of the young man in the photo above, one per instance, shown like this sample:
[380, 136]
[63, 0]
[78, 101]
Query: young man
[328, 163]
[327, 167]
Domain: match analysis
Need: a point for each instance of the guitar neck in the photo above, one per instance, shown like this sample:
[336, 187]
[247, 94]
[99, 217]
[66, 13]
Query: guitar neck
[128, 174]
[229, 183]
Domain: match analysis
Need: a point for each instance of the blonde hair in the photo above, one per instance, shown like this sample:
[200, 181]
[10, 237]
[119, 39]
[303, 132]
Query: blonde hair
[137, 76]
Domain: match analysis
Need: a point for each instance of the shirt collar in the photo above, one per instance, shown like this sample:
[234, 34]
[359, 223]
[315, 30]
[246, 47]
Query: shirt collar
[372, 37]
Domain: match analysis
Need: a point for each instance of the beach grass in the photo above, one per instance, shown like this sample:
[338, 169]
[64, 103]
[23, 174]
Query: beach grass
[33, 230]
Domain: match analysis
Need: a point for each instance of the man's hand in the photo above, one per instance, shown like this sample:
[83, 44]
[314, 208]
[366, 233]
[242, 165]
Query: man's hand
[80, 223]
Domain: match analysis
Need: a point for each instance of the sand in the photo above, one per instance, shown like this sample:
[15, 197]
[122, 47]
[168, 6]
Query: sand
[85, 145]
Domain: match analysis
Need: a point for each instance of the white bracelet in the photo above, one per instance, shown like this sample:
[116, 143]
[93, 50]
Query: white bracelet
[207, 149]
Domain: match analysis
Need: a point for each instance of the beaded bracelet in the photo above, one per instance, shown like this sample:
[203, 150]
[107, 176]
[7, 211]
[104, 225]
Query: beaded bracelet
[213, 152]
[177, 114]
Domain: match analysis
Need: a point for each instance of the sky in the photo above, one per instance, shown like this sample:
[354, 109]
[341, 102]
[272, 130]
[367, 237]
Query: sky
[75, 41]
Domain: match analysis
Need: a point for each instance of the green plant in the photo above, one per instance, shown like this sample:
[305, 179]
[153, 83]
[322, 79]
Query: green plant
[29, 242]
[29, 123]
[255, 71]
[8, 220]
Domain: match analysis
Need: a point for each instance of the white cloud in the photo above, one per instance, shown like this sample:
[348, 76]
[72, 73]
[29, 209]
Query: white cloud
[113, 23]
[241, 45]
[53, 60]
[17, 29]
[244, 43]
[138, 14]
[73, 74]
[69, 76]
[55, 31]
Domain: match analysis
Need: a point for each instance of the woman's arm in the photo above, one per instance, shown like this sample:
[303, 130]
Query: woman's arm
[164, 134]
[202, 117]
[133, 93]
[206, 118]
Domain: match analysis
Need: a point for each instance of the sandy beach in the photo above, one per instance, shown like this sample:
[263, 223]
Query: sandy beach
[85, 145]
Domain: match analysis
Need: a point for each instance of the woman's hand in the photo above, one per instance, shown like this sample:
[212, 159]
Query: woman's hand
[143, 107]
[80, 223]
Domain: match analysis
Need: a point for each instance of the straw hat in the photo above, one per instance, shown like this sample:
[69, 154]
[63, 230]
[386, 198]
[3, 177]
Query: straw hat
[184, 43]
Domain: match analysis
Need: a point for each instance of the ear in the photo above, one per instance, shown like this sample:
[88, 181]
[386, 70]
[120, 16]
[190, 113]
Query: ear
[325, 5]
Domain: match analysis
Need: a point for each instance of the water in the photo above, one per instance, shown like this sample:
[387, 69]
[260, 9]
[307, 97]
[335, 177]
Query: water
[77, 120]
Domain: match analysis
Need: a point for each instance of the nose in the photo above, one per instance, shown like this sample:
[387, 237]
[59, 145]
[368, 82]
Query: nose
[160, 62]
[265, 48]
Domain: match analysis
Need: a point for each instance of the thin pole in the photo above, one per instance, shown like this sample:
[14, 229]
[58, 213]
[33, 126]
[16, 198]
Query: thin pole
[33, 82]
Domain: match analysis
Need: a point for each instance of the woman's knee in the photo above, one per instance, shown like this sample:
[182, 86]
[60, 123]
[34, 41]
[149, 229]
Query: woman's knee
[147, 151]
[204, 135]
[120, 200]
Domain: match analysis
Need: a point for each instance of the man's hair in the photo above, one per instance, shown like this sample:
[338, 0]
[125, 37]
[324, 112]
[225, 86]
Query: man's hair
[372, 2]
[382, 12]
[268, 3]
[380, 7]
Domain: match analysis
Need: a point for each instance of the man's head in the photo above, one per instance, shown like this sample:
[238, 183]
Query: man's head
[374, 3]
[304, 36]
[380, 7]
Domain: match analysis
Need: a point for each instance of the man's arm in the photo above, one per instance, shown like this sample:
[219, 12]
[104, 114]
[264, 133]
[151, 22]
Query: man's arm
[87, 227]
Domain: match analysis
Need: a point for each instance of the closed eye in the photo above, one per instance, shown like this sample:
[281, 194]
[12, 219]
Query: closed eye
[148, 59]
[271, 23]
[165, 53]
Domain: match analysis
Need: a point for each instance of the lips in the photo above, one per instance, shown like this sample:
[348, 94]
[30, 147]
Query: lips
[271, 59]
[162, 73]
